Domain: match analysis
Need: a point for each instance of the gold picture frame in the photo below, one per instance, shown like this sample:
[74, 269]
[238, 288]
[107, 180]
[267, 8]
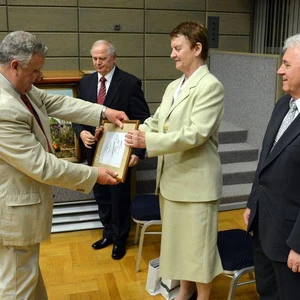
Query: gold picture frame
[111, 152]
[64, 141]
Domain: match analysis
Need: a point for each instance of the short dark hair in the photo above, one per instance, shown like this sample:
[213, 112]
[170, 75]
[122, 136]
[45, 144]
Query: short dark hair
[195, 32]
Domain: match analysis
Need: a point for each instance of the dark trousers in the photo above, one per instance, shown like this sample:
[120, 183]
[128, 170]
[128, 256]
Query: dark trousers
[274, 280]
[114, 210]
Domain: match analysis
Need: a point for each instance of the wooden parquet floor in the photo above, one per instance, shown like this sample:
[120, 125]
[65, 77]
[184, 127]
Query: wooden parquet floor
[72, 270]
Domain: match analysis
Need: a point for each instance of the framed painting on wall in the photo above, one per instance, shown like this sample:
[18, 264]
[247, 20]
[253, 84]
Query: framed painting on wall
[64, 140]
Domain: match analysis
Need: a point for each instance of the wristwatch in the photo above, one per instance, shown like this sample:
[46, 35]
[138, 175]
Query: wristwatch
[103, 116]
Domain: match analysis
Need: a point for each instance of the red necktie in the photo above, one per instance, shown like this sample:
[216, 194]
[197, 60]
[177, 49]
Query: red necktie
[102, 91]
[32, 110]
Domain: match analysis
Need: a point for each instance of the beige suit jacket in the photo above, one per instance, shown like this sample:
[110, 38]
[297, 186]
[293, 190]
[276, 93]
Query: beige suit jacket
[27, 170]
[184, 136]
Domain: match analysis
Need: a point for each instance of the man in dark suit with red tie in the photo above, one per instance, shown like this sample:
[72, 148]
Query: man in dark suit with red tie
[273, 208]
[119, 90]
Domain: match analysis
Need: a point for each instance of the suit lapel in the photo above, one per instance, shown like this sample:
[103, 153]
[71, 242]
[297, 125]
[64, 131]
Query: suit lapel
[271, 132]
[94, 88]
[113, 88]
[167, 105]
[288, 136]
[187, 89]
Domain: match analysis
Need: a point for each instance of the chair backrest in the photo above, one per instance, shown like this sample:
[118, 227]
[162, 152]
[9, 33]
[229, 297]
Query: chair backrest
[235, 248]
[145, 207]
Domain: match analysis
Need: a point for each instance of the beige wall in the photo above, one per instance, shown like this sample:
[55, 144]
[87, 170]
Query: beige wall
[69, 27]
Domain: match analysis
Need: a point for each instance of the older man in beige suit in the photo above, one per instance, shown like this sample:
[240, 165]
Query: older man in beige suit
[27, 166]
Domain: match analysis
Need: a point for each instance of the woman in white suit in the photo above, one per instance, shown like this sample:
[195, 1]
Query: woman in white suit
[183, 133]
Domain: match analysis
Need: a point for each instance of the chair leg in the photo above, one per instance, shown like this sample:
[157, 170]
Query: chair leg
[234, 281]
[136, 235]
[139, 255]
[251, 276]
[142, 236]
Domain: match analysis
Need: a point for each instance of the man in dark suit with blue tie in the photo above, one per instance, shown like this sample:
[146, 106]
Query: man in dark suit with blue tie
[119, 90]
[273, 206]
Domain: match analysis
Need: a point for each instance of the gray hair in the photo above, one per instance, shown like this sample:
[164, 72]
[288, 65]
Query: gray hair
[20, 46]
[292, 41]
[112, 50]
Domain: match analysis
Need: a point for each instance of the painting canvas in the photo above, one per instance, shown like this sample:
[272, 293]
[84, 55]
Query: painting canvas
[64, 141]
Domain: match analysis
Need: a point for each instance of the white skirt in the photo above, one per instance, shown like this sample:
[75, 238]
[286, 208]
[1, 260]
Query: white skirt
[189, 241]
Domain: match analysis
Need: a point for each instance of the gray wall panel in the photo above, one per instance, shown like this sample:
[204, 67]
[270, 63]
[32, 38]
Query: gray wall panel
[103, 20]
[251, 89]
[230, 23]
[2, 35]
[54, 42]
[3, 19]
[61, 63]
[230, 5]
[162, 21]
[42, 19]
[234, 43]
[153, 107]
[175, 4]
[160, 68]
[112, 3]
[155, 89]
[43, 2]
[126, 44]
[157, 45]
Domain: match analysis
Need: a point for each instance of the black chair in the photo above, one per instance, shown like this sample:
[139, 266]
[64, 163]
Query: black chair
[145, 213]
[235, 248]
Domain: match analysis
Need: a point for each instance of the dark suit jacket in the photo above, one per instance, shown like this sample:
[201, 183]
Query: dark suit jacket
[275, 195]
[124, 94]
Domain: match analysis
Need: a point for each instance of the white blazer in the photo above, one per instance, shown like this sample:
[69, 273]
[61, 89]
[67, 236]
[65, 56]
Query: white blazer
[184, 136]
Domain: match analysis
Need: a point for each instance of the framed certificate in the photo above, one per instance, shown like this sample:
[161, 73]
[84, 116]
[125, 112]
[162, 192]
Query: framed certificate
[111, 151]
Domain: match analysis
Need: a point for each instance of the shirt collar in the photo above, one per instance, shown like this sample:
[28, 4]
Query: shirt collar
[108, 76]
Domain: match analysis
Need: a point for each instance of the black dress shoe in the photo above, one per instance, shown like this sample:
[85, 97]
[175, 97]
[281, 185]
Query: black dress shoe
[118, 252]
[104, 242]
